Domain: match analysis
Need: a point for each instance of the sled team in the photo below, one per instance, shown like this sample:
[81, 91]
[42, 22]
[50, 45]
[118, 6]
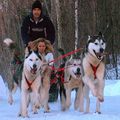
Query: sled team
[40, 81]
[82, 74]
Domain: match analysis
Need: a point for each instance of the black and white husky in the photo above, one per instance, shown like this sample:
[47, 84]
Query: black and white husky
[94, 68]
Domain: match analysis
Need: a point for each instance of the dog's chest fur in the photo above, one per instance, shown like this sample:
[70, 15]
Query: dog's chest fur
[92, 65]
[73, 83]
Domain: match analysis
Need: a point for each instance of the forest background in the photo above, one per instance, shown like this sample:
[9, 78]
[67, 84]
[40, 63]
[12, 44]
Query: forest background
[74, 20]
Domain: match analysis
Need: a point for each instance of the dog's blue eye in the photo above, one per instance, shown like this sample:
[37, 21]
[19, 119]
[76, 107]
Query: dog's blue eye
[102, 43]
[96, 43]
[36, 59]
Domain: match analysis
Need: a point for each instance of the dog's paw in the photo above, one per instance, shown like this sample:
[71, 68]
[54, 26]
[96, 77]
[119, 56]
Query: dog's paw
[101, 99]
[10, 101]
[35, 112]
[63, 109]
[19, 114]
[97, 112]
[47, 111]
[23, 114]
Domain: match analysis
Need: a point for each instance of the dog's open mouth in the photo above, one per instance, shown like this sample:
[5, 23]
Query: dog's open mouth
[33, 70]
[99, 55]
[78, 74]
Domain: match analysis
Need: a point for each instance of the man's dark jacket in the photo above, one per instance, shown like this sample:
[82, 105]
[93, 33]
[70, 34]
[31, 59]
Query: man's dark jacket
[31, 31]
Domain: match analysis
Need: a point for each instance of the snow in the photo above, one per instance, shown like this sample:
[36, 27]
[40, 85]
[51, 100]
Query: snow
[110, 108]
[2, 88]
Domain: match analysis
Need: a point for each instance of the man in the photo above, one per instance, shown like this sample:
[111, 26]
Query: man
[37, 26]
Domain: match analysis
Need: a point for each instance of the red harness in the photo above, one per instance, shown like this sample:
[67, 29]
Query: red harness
[29, 83]
[94, 68]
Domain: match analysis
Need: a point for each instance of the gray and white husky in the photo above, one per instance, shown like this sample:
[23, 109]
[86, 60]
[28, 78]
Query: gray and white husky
[15, 66]
[31, 82]
[72, 81]
[94, 68]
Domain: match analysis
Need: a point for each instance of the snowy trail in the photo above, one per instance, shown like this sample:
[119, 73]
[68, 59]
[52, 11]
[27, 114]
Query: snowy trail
[110, 108]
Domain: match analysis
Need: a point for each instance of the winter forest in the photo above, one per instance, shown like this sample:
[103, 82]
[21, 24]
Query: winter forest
[74, 20]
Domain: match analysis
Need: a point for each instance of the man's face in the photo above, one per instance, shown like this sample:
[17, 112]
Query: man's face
[36, 12]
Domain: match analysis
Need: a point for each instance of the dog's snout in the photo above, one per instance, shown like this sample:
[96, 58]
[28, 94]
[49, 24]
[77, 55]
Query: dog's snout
[34, 66]
[101, 50]
[78, 70]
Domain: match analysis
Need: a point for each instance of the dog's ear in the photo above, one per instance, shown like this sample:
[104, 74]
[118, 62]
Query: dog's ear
[40, 57]
[100, 34]
[71, 57]
[38, 54]
[89, 37]
[88, 40]
[27, 52]
[69, 62]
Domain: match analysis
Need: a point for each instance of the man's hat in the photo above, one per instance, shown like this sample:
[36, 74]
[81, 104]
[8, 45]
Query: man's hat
[37, 4]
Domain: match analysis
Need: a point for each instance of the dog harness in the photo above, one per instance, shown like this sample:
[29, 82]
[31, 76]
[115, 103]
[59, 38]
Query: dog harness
[94, 68]
[29, 84]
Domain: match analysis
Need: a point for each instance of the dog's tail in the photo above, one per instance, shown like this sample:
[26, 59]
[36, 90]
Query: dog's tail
[10, 43]
[13, 47]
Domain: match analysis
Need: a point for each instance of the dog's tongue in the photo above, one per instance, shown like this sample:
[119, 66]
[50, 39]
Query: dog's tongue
[99, 55]
[33, 71]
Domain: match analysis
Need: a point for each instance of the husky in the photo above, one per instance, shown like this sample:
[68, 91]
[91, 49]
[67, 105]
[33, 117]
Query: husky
[72, 81]
[15, 65]
[94, 68]
[45, 87]
[31, 82]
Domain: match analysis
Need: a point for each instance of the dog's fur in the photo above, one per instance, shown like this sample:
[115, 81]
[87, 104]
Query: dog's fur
[72, 81]
[93, 80]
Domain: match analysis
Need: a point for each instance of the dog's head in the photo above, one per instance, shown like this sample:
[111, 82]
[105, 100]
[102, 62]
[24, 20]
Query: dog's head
[96, 45]
[33, 62]
[73, 68]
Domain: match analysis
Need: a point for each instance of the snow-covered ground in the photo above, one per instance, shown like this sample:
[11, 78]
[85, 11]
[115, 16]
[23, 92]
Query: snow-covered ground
[110, 108]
